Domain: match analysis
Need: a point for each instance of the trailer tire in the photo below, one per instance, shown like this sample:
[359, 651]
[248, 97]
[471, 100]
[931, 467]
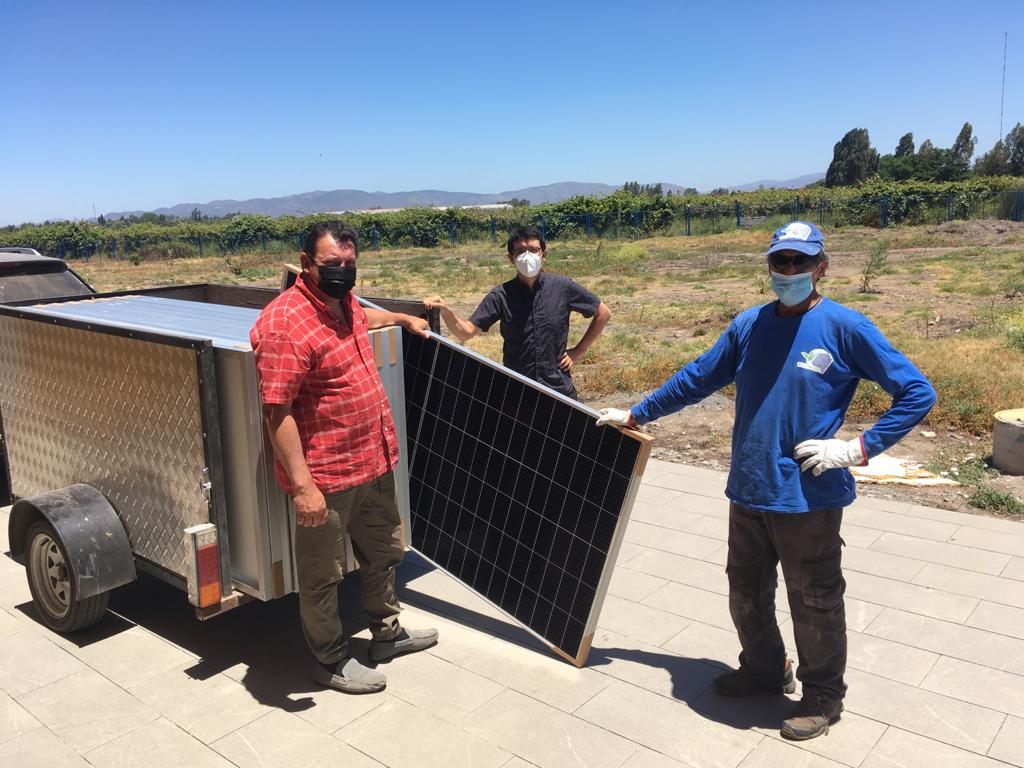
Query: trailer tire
[53, 585]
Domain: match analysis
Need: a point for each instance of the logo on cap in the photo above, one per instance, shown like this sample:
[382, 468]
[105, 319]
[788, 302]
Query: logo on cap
[795, 231]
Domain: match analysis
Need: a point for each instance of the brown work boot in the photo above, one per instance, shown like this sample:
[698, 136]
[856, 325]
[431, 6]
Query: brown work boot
[811, 717]
[746, 682]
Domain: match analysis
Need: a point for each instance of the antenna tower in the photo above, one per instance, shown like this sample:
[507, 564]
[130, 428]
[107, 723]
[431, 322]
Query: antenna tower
[1002, 92]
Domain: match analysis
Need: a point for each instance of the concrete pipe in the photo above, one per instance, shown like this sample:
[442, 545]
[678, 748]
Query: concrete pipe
[1008, 442]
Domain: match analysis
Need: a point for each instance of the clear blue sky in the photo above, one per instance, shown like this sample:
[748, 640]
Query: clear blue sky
[138, 105]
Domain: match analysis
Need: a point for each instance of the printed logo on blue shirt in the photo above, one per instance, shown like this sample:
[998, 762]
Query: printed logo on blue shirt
[817, 360]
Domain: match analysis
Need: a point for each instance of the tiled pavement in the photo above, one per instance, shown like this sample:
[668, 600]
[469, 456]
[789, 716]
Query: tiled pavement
[935, 602]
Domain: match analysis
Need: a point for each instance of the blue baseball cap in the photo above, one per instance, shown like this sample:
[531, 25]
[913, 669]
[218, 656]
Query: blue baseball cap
[799, 236]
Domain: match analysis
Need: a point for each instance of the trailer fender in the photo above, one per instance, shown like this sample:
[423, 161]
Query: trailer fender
[89, 529]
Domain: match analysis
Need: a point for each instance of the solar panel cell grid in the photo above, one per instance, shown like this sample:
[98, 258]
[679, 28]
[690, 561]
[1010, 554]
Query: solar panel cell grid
[513, 490]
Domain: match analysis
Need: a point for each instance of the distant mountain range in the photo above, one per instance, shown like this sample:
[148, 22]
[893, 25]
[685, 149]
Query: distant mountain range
[797, 183]
[358, 200]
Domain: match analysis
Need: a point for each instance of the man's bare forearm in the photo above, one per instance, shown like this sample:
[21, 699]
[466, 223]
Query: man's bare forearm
[284, 438]
[601, 318]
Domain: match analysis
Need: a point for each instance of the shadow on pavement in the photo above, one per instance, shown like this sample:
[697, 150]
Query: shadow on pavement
[691, 683]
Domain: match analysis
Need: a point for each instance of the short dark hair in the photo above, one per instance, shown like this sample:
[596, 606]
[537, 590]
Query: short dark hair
[335, 229]
[525, 234]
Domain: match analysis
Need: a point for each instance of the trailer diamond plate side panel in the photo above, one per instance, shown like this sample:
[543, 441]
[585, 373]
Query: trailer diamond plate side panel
[121, 414]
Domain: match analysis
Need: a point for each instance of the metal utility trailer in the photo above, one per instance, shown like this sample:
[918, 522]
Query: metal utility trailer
[132, 439]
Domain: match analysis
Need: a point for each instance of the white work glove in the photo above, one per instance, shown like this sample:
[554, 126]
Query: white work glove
[615, 417]
[820, 455]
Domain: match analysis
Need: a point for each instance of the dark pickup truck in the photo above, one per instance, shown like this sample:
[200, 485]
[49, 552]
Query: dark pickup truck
[27, 275]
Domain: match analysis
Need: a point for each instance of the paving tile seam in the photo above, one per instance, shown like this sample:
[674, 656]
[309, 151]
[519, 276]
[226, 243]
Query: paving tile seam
[967, 701]
[1015, 553]
[751, 751]
[1002, 573]
[867, 631]
[154, 635]
[1001, 715]
[455, 620]
[923, 563]
[647, 747]
[871, 548]
[136, 699]
[85, 755]
[465, 713]
[42, 635]
[1003, 725]
[887, 726]
[213, 744]
[719, 666]
[483, 737]
[920, 512]
[948, 591]
[367, 755]
[863, 632]
[943, 743]
[718, 496]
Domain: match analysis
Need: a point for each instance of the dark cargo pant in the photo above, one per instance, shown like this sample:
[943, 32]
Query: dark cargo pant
[810, 549]
[369, 514]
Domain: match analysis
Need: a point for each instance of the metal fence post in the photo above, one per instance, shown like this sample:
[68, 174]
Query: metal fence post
[796, 208]
[737, 215]
[113, 248]
[884, 203]
[544, 228]
[588, 224]
[949, 206]
[263, 241]
[1020, 206]
[202, 247]
[451, 233]
[494, 230]
[689, 213]
[375, 239]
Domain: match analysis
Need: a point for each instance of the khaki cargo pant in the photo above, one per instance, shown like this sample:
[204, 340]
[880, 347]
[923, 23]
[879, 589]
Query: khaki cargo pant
[368, 513]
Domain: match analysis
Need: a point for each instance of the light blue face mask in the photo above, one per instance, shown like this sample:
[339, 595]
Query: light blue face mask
[792, 289]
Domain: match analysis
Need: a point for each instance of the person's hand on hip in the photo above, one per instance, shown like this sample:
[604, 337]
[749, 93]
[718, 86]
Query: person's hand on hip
[822, 455]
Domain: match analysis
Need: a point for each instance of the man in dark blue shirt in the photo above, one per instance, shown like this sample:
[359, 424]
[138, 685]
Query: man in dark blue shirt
[532, 311]
[796, 363]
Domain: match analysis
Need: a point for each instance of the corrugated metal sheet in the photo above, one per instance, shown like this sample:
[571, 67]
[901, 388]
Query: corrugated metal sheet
[227, 327]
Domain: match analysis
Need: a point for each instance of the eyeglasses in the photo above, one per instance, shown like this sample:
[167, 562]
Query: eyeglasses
[797, 260]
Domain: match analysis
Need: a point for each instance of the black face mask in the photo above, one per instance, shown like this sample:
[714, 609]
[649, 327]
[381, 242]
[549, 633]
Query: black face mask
[336, 282]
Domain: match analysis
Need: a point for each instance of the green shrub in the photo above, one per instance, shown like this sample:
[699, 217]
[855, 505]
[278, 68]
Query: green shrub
[989, 499]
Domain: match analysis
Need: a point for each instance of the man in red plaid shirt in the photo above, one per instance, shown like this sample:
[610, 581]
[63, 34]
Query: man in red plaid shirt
[335, 447]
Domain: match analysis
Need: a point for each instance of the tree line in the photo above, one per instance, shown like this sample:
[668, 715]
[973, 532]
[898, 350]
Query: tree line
[854, 160]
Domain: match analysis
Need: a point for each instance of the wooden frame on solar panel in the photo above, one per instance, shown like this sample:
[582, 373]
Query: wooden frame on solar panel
[515, 491]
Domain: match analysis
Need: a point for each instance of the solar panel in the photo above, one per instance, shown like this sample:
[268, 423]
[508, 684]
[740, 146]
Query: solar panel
[515, 491]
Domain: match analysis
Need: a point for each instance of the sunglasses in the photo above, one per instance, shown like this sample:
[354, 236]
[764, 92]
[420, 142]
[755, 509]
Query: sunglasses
[797, 260]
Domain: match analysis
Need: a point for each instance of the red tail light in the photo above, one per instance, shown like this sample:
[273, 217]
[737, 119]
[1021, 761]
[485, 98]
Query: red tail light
[204, 573]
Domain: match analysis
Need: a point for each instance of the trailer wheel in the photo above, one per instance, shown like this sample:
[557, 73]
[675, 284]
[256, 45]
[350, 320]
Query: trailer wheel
[53, 584]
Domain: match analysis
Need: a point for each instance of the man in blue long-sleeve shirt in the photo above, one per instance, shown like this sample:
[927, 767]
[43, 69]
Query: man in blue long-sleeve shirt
[796, 363]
